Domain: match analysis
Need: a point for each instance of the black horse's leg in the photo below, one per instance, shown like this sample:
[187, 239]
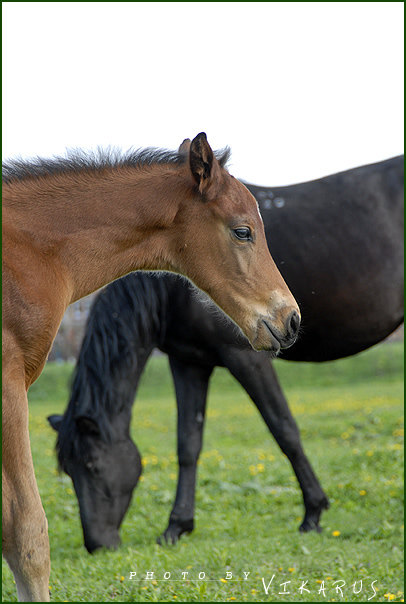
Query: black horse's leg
[191, 383]
[256, 374]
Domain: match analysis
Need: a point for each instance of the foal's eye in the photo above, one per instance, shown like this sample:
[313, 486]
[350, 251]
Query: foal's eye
[243, 233]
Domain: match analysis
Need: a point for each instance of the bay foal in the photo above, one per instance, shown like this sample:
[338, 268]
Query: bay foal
[72, 225]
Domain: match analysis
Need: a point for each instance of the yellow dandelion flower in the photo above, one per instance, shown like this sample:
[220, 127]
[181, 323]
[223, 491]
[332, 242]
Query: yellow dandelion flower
[252, 470]
[253, 591]
[223, 580]
[291, 569]
[319, 581]
[389, 596]
[232, 598]
[260, 467]
[362, 492]
[370, 453]
[336, 533]
[345, 435]
[121, 578]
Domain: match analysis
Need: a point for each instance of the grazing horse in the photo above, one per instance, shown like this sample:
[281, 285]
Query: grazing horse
[339, 243]
[71, 226]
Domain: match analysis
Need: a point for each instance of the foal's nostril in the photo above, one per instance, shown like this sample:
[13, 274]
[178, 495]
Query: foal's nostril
[294, 323]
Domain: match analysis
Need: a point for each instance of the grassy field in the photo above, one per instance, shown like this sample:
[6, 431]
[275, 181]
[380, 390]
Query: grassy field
[248, 504]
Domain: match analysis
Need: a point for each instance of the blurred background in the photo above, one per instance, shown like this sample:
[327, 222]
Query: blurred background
[298, 90]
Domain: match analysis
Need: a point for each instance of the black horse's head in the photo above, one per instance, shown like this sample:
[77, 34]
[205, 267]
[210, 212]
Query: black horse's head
[94, 446]
[104, 473]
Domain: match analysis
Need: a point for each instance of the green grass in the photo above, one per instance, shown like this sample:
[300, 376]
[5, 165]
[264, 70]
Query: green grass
[248, 504]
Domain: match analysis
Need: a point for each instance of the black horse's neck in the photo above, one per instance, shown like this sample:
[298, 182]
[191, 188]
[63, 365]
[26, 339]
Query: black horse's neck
[126, 323]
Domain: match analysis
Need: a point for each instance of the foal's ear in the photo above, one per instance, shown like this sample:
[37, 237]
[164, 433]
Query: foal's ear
[203, 165]
[55, 421]
[87, 425]
[185, 147]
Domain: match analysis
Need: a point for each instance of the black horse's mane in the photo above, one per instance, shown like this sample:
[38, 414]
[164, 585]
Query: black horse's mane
[124, 319]
[78, 161]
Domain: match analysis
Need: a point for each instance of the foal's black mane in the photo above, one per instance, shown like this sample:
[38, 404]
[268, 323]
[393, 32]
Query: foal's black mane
[130, 318]
[77, 161]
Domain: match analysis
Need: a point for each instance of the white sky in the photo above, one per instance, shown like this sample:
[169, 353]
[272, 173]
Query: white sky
[297, 89]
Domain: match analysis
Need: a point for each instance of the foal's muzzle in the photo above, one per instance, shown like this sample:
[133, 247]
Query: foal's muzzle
[272, 338]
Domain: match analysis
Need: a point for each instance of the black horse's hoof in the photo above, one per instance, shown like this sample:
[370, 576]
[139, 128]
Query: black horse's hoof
[174, 531]
[308, 526]
[169, 537]
[312, 517]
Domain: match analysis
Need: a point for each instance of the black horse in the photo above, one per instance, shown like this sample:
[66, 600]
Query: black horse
[338, 242]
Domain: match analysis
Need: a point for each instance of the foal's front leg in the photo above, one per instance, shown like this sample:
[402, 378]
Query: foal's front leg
[255, 373]
[25, 534]
[191, 383]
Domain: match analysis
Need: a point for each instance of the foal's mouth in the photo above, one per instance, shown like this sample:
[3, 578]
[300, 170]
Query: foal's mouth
[269, 337]
[280, 341]
[275, 341]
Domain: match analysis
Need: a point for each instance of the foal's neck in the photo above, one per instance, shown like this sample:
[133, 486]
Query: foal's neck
[98, 226]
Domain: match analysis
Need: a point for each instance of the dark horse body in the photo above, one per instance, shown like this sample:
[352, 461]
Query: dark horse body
[338, 241]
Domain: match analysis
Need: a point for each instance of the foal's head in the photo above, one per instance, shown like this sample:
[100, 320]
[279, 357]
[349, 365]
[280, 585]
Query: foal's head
[221, 246]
